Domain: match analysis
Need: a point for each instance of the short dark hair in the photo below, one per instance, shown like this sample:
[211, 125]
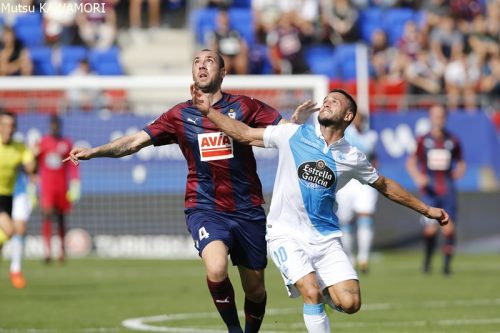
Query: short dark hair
[352, 103]
[7, 113]
[220, 58]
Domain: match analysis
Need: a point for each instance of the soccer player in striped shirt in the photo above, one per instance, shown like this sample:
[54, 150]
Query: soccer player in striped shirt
[435, 167]
[223, 192]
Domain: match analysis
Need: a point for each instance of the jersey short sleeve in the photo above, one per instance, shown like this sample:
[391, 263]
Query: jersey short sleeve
[162, 130]
[364, 171]
[277, 135]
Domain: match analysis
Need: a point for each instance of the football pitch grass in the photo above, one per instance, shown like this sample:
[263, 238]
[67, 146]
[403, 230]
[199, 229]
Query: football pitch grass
[108, 295]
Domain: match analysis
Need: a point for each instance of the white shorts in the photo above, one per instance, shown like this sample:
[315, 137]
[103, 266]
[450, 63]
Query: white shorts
[295, 258]
[21, 207]
[355, 198]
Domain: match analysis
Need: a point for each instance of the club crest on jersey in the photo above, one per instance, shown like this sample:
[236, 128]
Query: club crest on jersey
[316, 174]
[215, 146]
[231, 114]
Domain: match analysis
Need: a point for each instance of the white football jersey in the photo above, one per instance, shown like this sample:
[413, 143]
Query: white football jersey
[309, 174]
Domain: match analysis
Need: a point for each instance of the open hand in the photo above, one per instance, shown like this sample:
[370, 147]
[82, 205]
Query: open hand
[304, 111]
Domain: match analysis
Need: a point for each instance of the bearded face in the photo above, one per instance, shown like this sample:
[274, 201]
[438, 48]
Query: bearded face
[207, 73]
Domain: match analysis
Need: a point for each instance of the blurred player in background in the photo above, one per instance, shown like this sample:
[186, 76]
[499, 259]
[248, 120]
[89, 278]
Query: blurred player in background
[434, 167]
[357, 202]
[223, 192]
[13, 156]
[59, 184]
[22, 206]
[302, 228]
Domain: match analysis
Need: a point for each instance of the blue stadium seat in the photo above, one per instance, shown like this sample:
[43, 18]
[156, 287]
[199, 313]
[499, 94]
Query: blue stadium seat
[175, 4]
[320, 60]
[241, 19]
[369, 21]
[345, 61]
[202, 21]
[29, 35]
[71, 57]
[241, 3]
[106, 62]
[394, 21]
[29, 29]
[42, 61]
[29, 19]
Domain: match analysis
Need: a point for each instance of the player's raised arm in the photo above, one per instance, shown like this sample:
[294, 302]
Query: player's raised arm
[234, 128]
[302, 112]
[393, 191]
[120, 147]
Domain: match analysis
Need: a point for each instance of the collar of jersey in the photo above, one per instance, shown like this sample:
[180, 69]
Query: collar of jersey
[340, 141]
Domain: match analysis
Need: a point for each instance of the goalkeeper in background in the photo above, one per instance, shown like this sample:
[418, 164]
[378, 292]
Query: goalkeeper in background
[59, 184]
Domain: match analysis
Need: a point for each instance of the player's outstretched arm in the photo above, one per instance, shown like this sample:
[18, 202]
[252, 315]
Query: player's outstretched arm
[123, 146]
[234, 128]
[393, 191]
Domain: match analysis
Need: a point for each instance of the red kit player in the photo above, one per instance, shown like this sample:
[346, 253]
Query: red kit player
[59, 184]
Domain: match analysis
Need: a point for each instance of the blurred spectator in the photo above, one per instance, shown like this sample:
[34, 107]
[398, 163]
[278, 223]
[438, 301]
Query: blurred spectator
[432, 12]
[221, 4]
[465, 9]
[14, 57]
[446, 41]
[385, 60]
[410, 43]
[230, 44]
[82, 99]
[490, 82]
[480, 40]
[135, 14]
[425, 74]
[384, 3]
[59, 24]
[339, 19]
[267, 12]
[98, 29]
[461, 78]
[361, 4]
[286, 47]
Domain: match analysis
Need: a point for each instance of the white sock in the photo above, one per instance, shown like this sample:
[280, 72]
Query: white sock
[316, 319]
[16, 244]
[365, 238]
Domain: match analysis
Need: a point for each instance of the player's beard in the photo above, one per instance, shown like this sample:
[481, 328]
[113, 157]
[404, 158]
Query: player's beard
[210, 87]
[327, 121]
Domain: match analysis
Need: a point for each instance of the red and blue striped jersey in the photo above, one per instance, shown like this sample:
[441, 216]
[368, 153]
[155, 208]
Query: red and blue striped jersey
[222, 174]
[436, 157]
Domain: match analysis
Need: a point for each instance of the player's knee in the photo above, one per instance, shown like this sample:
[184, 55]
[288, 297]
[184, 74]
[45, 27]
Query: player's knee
[257, 294]
[311, 295]
[351, 305]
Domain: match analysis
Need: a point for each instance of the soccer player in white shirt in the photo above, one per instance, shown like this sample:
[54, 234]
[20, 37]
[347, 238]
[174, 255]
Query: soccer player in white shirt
[302, 228]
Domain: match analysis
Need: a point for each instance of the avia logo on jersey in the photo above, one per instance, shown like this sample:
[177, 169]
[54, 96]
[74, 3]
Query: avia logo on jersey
[215, 146]
[316, 174]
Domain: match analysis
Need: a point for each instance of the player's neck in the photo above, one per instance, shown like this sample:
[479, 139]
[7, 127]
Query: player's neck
[331, 134]
[216, 96]
[437, 133]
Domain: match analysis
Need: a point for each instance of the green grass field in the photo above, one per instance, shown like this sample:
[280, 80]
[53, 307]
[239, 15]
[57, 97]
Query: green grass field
[97, 295]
